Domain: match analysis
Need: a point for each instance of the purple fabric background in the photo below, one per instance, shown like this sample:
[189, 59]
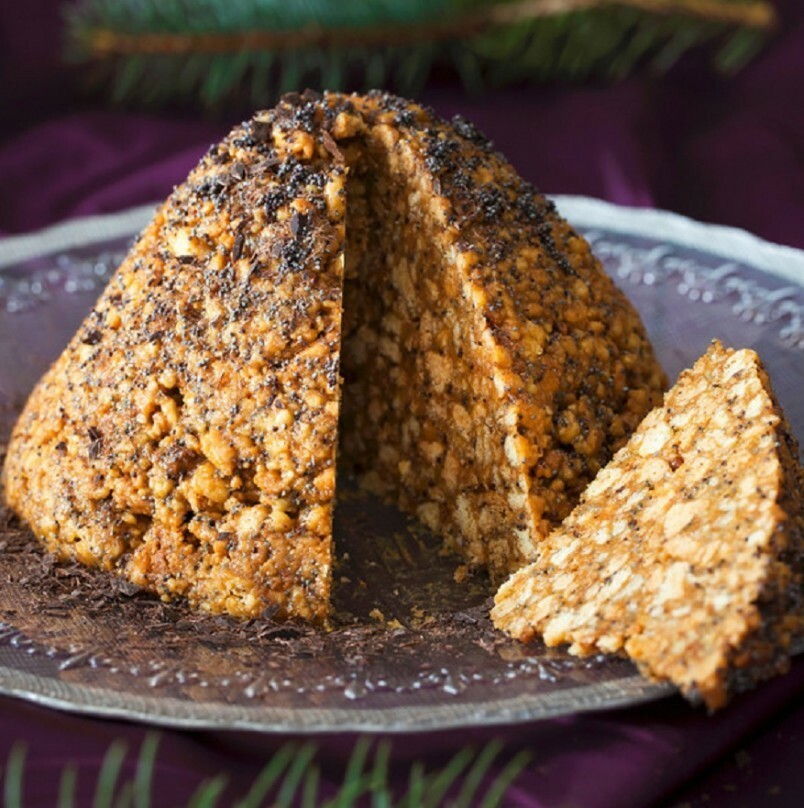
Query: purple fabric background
[730, 152]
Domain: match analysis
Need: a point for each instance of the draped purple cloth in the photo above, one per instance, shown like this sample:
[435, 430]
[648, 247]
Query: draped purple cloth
[726, 151]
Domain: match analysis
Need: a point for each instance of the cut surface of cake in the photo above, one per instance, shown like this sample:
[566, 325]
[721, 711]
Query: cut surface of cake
[687, 551]
[343, 278]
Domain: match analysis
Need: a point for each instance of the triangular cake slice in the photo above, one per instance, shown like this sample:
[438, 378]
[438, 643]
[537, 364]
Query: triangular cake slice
[186, 439]
[686, 552]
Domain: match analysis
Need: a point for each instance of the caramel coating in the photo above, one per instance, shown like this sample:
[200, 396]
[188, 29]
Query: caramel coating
[186, 439]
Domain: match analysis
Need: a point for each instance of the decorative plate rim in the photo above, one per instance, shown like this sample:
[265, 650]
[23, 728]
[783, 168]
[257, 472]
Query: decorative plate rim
[176, 713]
[725, 241]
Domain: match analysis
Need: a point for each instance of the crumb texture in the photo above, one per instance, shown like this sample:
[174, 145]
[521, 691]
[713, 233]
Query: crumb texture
[686, 552]
[186, 439]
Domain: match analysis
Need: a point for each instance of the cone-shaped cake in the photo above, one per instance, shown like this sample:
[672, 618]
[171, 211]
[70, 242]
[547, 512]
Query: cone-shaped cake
[339, 271]
[687, 550]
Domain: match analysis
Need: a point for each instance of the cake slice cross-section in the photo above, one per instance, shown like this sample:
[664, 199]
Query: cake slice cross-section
[686, 551]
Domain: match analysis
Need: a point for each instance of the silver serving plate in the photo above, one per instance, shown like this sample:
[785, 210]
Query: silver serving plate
[411, 649]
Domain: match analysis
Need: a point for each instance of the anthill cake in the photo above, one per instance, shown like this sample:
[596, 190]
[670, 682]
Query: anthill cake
[340, 271]
[687, 550]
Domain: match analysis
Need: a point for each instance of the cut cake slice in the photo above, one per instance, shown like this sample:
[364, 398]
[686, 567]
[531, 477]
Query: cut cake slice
[687, 550]
[186, 439]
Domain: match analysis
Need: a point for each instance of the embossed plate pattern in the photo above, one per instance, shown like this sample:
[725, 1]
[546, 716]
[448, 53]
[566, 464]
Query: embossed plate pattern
[411, 649]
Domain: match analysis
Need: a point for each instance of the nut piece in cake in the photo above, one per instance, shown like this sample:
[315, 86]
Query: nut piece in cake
[686, 552]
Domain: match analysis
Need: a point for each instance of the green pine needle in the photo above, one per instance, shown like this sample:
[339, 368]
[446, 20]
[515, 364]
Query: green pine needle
[506, 778]
[416, 783]
[67, 785]
[476, 774]
[354, 778]
[310, 789]
[208, 793]
[738, 51]
[439, 783]
[268, 777]
[125, 795]
[294, 776]
[145, 770]
[12, 777]
[110, 771]
[219, 53]
[381, 798]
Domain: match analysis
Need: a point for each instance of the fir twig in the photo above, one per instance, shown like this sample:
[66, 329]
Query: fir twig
[104, 41]
[290, 777]
[225, 53]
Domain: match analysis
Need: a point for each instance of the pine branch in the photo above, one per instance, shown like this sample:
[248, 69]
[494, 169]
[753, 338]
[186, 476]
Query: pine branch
[157, 51]
[290, 777]
[104, 41]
